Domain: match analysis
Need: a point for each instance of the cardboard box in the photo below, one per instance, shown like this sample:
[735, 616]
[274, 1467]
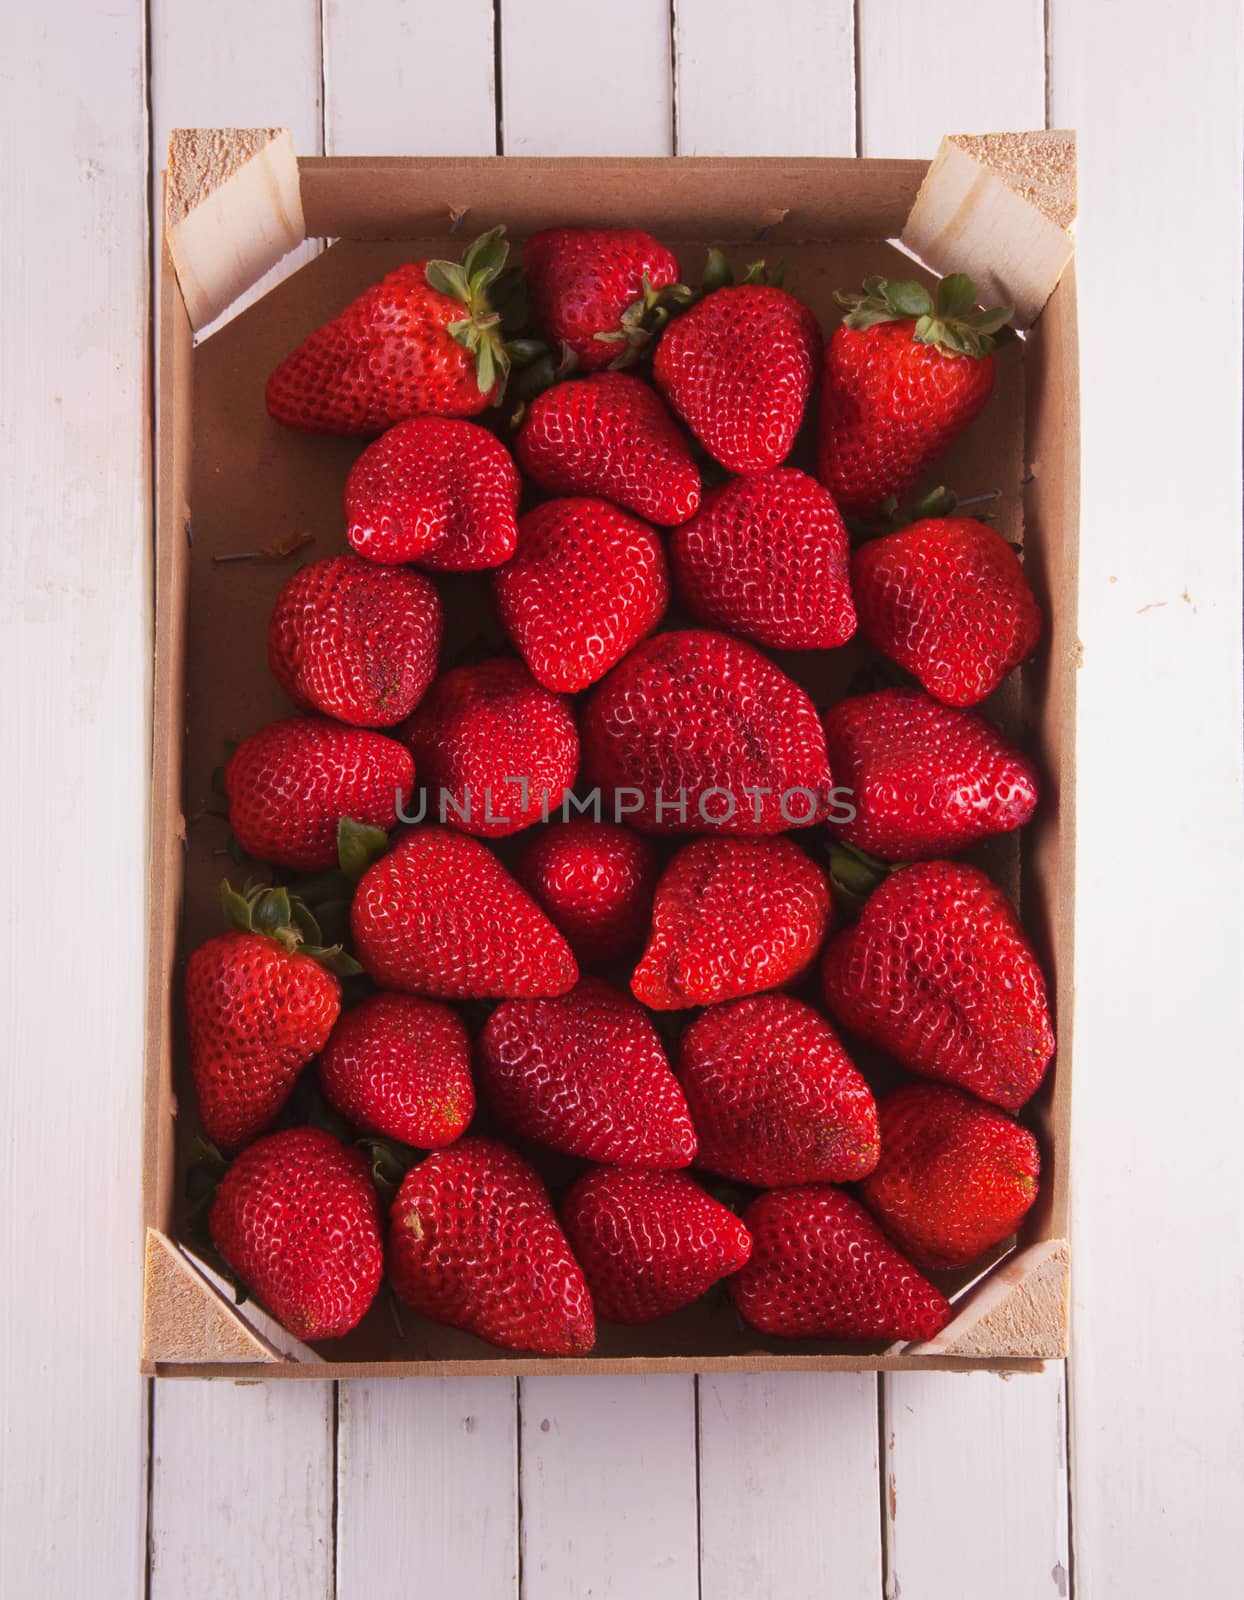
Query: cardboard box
[231, 481]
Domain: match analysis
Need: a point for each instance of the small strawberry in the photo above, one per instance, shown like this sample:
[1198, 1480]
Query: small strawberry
[598, 291]
[948, 601]
[903, 378]
[423, 339]
[610, 435]
[955, 1178]
[440, 916]
[650, 1242]
[290, 785]
[586, 584]
[702, 733]
[297, 1220]
[821, 1268]
[938, 973]
[257, 1009]
[596, 881]
[732, 917]
[474, 1242]
[356, 641]
[924, 779]
[499, 751]
[774, 1097]
[768, 558]
[437, 491]
[400, 1067]
[586, 1074]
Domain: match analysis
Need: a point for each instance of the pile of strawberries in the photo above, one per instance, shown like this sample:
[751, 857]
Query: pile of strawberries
[767, 870]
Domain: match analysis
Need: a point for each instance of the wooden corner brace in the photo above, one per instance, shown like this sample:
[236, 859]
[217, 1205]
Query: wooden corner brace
[1019, 1310]
[185, 1318]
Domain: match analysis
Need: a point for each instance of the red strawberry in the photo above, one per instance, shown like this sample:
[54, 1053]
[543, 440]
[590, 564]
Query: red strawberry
[596, 881]
[257, 1010]
[955, 1178]
[586, 1074]
[474, 1242]
[902, 381]
[821, 1268]
[732, 917]
[650, 1242]
[938, 973]
[774, 1096]
[738, 368]
[597, 290]
[401, 1067]
[924, 779]
[423, 339]
[701, 732]
[290, 784]
[439, 915]
[768, 557]
[610, 435]
[355, 641]
[436, 491]
[500, 750]
[586, 584]
[297, 1220]
[947, 600]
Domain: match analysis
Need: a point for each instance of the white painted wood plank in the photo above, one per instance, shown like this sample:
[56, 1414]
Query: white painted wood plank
[427, 1486]
[408, 78]
[789, 1490]
[608, 1488]
[777, 82]
[75, 578]
[978, 67]
[1157, 1386]
[976, 1485]
[579, 82]
[242, 1495]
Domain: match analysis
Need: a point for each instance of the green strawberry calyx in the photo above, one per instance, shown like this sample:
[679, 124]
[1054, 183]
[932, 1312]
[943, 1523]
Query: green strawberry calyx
[491, 298]
[854, 873]
[643, 319]
[271, 910]
[950, 322]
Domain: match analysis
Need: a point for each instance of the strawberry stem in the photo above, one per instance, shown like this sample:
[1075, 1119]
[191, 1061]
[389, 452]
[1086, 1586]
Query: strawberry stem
[950, 322]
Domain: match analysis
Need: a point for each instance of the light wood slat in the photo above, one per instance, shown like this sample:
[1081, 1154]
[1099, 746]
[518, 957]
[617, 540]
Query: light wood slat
[977, 67]
[777, 83]
[1157, 1386]
[608, 1489]
[789, 1493]
[427, 1485]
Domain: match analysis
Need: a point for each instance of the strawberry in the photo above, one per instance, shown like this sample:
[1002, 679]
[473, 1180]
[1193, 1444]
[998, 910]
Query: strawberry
[947, 599]
[955, 1178]
[903, 378]
[701, 732]
[596, 881]
[297, 1220]
[257, 1009]
[738, 368]
[650, 1242]
[400, 1067]
[440, 916]
[938, 973]
[768, 558]
[501, 751]
[732, 917]
[355, 641]
[474, 1242]
[290, 784]
[610, 435]
[925, 779]
[774, 1096]
[586, 584]
[586, 1074]
[423, 339]
[437, 491]
[598, 291]
[821, 1268]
